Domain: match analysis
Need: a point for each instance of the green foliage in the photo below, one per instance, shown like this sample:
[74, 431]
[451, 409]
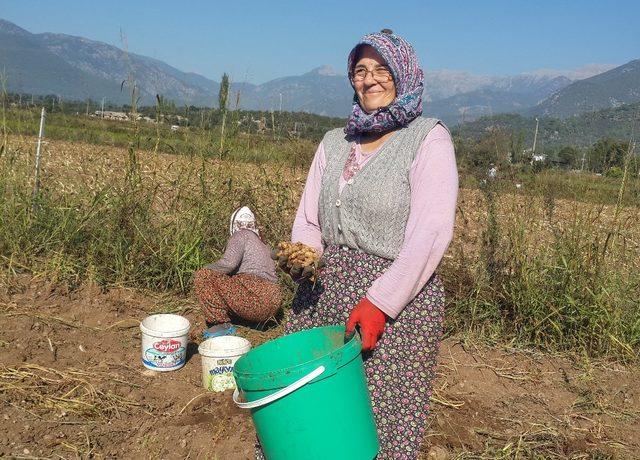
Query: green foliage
[500, 146]
[607, 153]
[496, 147]
[223, 95]
[568, 157]
[580, 131]
[615, 172]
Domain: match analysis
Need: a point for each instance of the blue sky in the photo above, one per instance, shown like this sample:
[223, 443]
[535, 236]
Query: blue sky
[259, 41]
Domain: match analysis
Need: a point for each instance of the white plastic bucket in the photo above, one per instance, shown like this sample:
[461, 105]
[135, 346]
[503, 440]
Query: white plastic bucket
[164, 342]
[219, 354]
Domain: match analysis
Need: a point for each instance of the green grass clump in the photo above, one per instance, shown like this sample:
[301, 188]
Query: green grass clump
[134, 230]
[560, 281]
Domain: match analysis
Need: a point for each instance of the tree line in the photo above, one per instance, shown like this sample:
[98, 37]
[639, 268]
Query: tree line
[501, 147]
[277, 124]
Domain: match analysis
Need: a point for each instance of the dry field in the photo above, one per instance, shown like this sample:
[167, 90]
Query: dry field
[72, 385]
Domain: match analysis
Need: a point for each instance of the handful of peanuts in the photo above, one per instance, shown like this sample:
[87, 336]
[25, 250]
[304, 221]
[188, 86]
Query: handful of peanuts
[298, 259]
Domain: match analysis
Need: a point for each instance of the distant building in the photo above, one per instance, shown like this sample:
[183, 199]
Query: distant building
[109, 115]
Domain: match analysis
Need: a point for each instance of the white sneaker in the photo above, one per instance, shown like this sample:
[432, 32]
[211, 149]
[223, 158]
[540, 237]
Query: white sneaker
[243, 218]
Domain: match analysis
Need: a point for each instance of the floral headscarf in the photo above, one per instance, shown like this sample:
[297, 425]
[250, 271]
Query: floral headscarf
[407, 76]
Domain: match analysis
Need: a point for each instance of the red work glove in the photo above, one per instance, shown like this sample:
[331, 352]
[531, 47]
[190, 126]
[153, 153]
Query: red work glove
[371, 320]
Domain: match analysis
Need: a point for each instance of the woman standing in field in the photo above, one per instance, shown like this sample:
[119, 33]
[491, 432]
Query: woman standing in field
[379, 205]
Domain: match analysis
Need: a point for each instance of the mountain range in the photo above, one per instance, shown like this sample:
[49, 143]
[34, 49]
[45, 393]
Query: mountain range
[79, 68]
[610, 89]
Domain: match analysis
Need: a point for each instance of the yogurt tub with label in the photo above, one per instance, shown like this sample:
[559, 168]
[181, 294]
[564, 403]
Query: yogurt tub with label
[164, 342]
[219, 354]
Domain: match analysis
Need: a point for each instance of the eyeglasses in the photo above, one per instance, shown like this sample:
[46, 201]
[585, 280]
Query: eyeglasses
[379, 74]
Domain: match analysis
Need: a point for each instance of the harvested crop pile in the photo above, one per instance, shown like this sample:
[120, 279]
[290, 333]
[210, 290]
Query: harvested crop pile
[298, 259]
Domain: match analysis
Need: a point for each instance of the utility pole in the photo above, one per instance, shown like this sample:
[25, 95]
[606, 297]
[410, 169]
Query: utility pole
[103, 107]
[280, 102]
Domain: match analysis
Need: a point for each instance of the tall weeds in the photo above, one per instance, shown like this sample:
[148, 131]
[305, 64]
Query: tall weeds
[533, 266]
[3, 97]
[126, 221]
[549, 274]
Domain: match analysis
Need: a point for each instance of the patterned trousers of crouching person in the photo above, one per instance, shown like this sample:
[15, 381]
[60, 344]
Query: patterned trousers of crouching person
[243, 295]
[401, 369]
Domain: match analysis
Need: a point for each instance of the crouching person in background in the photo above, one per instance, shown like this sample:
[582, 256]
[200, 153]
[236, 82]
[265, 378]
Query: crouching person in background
[243, 283]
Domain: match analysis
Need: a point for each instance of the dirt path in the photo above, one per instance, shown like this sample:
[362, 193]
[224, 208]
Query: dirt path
[71, 385]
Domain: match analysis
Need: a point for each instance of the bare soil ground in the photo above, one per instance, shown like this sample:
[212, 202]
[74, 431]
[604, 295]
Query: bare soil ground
[72, 386]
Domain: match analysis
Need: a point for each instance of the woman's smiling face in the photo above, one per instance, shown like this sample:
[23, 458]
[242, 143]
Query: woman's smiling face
[371, 93]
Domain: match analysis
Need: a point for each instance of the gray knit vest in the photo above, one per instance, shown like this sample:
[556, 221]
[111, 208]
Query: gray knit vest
[371, 212]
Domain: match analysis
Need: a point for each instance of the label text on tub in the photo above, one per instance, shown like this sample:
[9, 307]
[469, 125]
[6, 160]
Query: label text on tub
[166, 353]
[167, 346]
[221, 370]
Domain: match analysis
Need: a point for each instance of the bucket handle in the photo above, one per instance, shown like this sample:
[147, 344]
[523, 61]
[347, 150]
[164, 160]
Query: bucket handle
[278, 394]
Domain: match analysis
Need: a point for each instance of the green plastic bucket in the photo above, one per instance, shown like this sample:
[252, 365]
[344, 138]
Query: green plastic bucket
[308, 397]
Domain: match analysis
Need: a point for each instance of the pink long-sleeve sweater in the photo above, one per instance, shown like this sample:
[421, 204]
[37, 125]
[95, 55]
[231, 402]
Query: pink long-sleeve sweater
[433, 181]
